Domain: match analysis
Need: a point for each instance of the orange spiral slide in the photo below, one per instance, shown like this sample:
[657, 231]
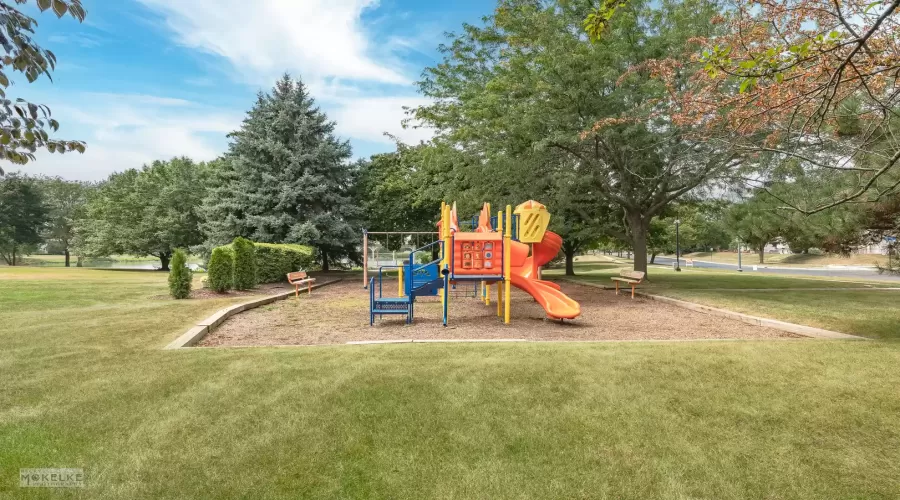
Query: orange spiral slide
[524, 268]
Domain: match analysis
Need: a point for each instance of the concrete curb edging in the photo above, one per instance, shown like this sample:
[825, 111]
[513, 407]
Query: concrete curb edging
[429, 341]
[204, 327]
[806, 331]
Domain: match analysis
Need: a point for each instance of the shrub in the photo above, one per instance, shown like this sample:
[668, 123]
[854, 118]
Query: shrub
[180, 276]
[220, 273]
[244, 264]
[274, 261]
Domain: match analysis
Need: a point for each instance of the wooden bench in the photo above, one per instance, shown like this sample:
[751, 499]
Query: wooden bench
[633, 278]
[299, 279]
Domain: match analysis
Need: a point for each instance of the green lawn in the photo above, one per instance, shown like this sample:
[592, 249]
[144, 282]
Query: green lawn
[86, 384]
[100, 262]
[874, 314]
[790, 260]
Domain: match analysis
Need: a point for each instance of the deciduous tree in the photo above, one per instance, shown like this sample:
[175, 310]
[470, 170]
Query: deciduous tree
[24, 125]
[529, 80]
[22, 217]
[65, 201]
[151, 211]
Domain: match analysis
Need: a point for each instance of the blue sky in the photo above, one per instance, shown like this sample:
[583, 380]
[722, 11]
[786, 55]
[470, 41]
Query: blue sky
[141, 80]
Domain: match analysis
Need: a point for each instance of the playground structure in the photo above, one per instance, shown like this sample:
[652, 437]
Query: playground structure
[500, 252]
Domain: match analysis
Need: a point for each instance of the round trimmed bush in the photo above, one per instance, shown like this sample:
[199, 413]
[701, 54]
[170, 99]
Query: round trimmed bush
[180, 276]
[244, 264]
[220, 273]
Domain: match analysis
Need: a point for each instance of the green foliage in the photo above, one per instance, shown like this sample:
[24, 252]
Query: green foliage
[757, 222]
[702, 227]
[151, 211]
[220, 272]
[24, 125]
[527, 96]
[392, 190]
[275, 261]
[180, 276]
[66, 201]
[244, 264]
[22, 216]
[286, 179]
[598, 20]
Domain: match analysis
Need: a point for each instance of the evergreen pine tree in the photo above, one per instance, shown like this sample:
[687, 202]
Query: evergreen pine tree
[286, 179]
[180, 276]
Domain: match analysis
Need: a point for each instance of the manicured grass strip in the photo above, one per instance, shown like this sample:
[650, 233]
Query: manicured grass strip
[665, 278]
[822, 303]
[717, 420]
[873, 314]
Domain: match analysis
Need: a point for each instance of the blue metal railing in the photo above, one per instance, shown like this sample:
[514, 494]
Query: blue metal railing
[380, 268]
[371, 301]
[413, 268]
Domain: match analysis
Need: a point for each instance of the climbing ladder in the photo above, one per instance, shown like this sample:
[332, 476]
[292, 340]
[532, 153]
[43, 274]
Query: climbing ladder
[420, 280]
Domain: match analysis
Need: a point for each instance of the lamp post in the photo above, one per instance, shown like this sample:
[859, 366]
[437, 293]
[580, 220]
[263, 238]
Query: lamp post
[677, 246]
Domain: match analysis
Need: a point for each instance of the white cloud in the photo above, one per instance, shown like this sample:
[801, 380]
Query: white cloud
[319, 39]
[83, 40]
[359, 82]
[126, 131]
[368, 118]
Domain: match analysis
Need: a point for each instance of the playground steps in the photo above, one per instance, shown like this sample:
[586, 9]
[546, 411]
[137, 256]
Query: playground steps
[428, 286]
[394, 305]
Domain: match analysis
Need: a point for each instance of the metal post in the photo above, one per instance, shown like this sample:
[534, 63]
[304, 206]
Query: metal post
[740, 269]
[677, 246]
[365, 258]
[507, 269]
[504, 257]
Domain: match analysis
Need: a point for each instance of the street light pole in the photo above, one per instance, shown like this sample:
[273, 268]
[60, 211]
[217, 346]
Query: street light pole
[677, 246]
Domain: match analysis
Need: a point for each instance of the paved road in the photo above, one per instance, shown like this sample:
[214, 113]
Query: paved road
[830, 273]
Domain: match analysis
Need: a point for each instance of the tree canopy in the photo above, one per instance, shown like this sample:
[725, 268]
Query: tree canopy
[22, 216]
[286, 179]
[24, 125]
[528, 82]
[151, 211]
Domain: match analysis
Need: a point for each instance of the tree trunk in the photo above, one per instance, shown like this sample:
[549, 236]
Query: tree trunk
[653, 258]
[638, 226]
[14, 255]
[570, 262]
[325, 261]
[164, 261]
[762, 254]
[67, 258]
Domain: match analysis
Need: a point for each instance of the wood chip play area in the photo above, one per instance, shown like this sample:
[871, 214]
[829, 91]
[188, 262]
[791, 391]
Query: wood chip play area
[338, 314]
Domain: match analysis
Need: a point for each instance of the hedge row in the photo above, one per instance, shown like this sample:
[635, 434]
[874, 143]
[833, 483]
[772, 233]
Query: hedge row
[270, 263]
[274, 261]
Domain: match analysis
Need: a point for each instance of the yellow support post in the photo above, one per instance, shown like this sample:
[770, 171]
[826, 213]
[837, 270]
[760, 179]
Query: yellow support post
[445, 255]
[487, 294]
[499, 285]
[400, 281]
[507, 265]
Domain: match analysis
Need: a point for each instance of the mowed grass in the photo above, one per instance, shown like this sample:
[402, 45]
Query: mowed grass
[820, 302]
[790, 260]
[87, 385]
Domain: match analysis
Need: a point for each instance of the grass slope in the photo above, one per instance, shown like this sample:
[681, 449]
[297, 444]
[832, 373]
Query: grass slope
[86, 385]
[858, 311]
